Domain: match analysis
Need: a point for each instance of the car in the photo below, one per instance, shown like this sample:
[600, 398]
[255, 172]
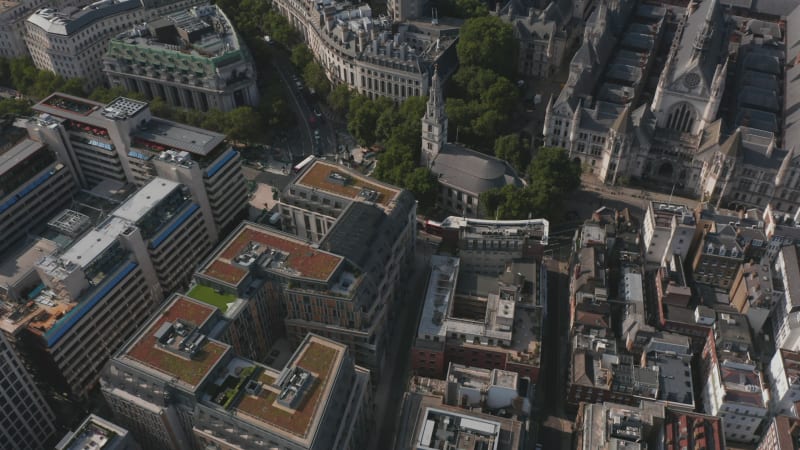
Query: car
[317, 112]
[316, 135]
[299, 85]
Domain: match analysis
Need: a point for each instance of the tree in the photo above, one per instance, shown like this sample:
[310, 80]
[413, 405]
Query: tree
[553, 176]
[315, 78]
[242, 124]
[339, 99]
[12, 107]
[423, 184]
[513, 149]
[488, 42]
[301, 56]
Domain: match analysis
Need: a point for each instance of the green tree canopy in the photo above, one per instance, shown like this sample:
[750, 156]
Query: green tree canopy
[315, 78]
[12, 107]
[513, 149]
[488, 42]
[301, 56]
[339, 99]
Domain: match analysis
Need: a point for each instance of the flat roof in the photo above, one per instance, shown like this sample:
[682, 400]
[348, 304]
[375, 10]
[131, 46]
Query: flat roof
[94, 433]
[189, 371]
[64, 105]
[6, 5]
[179, 136]
[145, 199]
[457, 428]
[441, 291]
[339, 180]
[292, 256]
[538, 228]
[21, 259]
[95, 242]
[18, 153]
[321, 358]
[71, 19]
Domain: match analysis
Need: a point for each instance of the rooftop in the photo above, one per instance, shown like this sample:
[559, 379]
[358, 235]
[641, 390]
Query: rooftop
[345, 183]
[477, 378]
[791, 365]
[281, 252]
[21, 259]
[160, 135]
[16, 154]
[95, 433]
[674, 378]
[95, 242]
[172, 347]
[475, 228]
[214, 297]
[441, 289]
[663, 213]
[684, 429]
[70, 19]
[191, 33]
[296, 418]
[59, 104]
[609, 425]
[145, 199]
[460, 430]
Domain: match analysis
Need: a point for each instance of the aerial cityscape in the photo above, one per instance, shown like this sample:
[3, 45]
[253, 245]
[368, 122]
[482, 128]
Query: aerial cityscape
[400, 225]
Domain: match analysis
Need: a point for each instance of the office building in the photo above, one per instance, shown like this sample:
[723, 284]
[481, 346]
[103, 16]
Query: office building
[372, 225]
[491, 322]
[786, 315]
[484, 389]
[734, 388]
[192, 59]
[26, 420]
[96, 433]
[175, 386]
[304, 289]
[70, 41]
[122, 142]
[33, 184]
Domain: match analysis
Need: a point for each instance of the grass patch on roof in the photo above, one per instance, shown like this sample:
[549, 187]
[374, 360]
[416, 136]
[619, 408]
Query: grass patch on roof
[208, 295]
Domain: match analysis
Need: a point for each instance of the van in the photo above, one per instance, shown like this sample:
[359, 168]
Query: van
[275, 219]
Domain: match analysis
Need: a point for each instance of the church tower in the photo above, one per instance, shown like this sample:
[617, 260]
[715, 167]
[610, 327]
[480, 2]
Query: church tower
[434, 123]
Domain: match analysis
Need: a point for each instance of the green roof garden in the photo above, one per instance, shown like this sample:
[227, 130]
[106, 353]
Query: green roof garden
[213, 297]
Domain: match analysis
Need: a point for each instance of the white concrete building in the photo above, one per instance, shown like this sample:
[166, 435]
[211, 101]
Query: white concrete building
[97, 433]
[734, 389]
[786, 316]
[27, 421]
[192, 59]
[71, 41]
[371, 55]
[123, 142]
[13, 14]
[668, 230]
[784, 377]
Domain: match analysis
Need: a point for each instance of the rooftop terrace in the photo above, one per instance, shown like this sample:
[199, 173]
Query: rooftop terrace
[345, 183]
[188, 369]
[95, 433]
[269, 406]
[285, 254]
[214, 297]
[67, 103]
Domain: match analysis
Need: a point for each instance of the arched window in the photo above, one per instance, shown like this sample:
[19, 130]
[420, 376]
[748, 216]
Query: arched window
[682, 117]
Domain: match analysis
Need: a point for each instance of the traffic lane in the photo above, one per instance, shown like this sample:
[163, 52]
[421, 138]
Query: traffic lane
[301, 108]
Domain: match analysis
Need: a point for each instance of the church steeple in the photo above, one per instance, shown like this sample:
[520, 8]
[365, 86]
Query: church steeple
[434, 123]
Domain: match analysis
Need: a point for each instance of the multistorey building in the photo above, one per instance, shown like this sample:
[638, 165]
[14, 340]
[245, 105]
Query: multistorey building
[122, 142]
[784, 377]
[668, 230]
[487, 321]
[684, 429]
[71, 41]
[97, 433]
[544, 35]
[13, 14]
[95, 292]
[429, 423]
[783, 433]
[193, 59]
[734, 388]
[369, 55]
[786, 315]
[33, 184]
[26, 420]
[175, 386]
[370, 224]
[608, 425]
